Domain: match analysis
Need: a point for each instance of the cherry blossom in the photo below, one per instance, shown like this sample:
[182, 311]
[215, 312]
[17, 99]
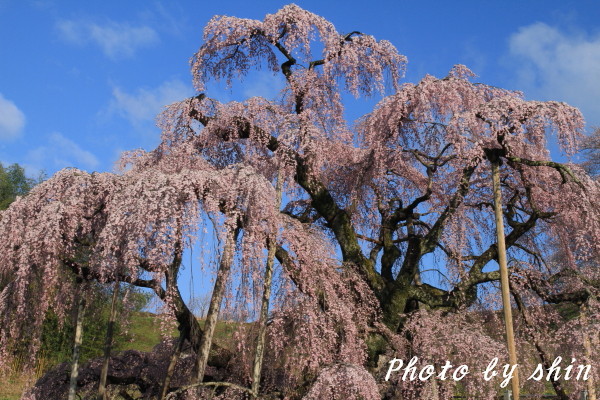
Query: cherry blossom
[385, 240]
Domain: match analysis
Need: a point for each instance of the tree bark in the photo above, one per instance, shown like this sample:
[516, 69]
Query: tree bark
[108, 342]
[171, 368]
[215, 304]
[591, 387]
[76, 348]
[264, 309]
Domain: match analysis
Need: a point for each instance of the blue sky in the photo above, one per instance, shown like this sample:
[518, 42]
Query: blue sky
[81, 81]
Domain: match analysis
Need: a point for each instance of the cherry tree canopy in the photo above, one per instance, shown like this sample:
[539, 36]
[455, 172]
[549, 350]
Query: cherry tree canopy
[385, 240]
[591, 147]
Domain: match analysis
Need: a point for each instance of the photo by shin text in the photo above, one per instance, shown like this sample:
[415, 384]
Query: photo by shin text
[410, 371]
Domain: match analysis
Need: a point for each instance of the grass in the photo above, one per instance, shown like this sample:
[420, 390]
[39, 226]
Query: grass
[12, 387]
[144, 333]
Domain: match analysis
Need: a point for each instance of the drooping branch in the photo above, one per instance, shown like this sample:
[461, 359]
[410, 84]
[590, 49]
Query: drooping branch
[564, 171]
[433, 236]
[579, 296]
[345, 38]
[264, 309]
[556, 384]
[338, 219]
[419, 246]
[284, 258]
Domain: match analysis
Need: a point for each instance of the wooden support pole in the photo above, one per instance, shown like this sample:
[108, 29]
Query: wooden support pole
[508, 321]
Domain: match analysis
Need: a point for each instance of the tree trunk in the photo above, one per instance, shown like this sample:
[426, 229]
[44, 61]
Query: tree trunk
[189, 327]
[591, 387]
[264, 308]
[171, 368]
[215, 304]
[188, 324]
[76, 349]
[262, 322]
[434, 390]
[108, 342]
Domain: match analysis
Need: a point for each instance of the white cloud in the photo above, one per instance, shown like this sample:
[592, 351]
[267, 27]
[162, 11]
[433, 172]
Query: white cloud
[61, 152]
[263, 84]
[12, 120]
[555, 65]
[115, 39]
[145, 103]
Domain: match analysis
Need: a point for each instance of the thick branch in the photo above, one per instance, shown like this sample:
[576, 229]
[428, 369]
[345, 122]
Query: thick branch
[338, 219]
[90, 275]
[433, 236]
[564, 171]
[492, 252]
[287, 262]
[419, 246]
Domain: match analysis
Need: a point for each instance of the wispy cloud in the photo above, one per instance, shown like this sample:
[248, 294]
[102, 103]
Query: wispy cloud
[61, 152]
[552, 64]
[116, 39]
[170, 18]
[12, 120]
[145, 103]
[263, 84]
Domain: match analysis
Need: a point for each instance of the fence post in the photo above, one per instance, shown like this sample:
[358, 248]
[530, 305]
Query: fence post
[508, 395]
